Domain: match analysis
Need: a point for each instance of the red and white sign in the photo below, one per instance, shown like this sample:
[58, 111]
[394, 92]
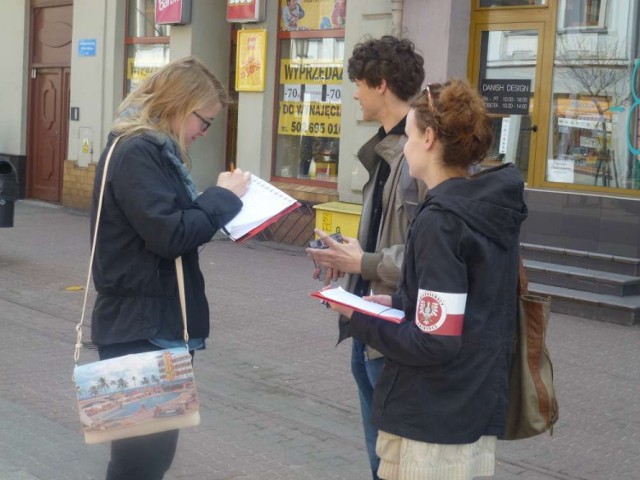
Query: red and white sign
[245, 10]
[439, 313]
[173, 12]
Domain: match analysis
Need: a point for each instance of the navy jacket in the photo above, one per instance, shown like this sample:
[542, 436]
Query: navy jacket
[148, 220]
[446, 367]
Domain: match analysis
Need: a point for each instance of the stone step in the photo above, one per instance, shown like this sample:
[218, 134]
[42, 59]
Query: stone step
[581, 259]
[594, 306]
[585, 279]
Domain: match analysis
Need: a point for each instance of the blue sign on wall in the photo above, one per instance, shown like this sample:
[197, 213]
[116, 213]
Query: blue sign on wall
[87, 47]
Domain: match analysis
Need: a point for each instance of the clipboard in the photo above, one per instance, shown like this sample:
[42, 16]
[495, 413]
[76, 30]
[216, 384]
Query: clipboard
[262, 205]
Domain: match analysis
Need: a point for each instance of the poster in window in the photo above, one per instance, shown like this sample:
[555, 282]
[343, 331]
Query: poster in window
[312, 14]
[251, 60]
[312, 98]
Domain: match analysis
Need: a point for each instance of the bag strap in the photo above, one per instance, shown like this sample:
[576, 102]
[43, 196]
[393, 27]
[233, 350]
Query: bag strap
[523, 282]
[179, 271]
[183, 302]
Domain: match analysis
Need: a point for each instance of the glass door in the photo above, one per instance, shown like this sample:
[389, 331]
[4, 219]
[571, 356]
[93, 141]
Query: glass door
[505, 67]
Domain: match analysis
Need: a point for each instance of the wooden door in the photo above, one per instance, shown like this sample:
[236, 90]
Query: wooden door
[49, 100]
[47, 134]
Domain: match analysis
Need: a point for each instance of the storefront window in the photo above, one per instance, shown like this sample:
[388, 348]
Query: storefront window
[593, 128]
[147, 43]
[510, 3]
[310, 89]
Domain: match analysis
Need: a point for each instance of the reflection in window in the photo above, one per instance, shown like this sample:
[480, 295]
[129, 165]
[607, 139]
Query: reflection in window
[142, 61]
[507, 80]
[147, 43]
[584, 13]
[141, 20]
[591, 86]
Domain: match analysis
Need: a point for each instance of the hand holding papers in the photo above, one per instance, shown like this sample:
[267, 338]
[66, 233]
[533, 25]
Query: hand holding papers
[262, 205]
[342, 297]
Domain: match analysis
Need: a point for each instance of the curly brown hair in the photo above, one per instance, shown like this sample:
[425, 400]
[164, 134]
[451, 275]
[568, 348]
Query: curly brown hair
[391, 59]
[457, 114]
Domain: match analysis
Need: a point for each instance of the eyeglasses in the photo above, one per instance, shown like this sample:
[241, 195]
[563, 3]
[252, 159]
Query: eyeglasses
[204, 121]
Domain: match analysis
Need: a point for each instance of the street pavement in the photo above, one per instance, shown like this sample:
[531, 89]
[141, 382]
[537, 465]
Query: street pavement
[277, 397]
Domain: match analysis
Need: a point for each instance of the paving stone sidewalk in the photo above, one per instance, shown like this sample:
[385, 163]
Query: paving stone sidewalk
[278, 400]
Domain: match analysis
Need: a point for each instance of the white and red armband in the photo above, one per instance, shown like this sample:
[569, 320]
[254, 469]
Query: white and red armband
[439, 313]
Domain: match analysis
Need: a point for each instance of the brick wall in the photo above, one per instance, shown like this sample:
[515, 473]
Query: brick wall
[77, 185]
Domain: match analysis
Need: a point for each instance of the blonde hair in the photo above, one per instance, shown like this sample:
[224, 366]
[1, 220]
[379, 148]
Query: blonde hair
[173, 92]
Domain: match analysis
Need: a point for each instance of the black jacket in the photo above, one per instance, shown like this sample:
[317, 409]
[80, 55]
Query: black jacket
[148, 220]
[443, 386]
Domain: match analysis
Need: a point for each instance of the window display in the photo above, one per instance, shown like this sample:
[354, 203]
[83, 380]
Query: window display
[307, 136]
[309, 108]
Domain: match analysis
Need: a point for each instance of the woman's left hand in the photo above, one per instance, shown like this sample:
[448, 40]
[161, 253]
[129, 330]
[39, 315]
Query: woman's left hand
[341, 309]
[379, 299]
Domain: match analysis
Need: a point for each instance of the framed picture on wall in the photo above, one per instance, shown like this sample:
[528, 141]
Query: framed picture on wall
[251, 58]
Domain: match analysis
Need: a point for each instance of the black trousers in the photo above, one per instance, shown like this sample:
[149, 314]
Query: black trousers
[139, 458]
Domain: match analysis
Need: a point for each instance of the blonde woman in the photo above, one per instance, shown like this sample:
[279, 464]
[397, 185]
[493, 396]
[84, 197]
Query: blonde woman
[152, 214]
[441, 399]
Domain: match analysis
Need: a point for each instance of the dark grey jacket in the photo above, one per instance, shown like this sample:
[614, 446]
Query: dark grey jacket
[148, 220]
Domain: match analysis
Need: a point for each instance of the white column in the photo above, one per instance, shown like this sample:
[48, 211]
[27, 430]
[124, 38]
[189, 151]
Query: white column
[14, 58]
[96, 81]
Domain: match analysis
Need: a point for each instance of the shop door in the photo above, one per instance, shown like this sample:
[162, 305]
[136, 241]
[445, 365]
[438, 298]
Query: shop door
[506, 62]
[49, 132]
[49, 100]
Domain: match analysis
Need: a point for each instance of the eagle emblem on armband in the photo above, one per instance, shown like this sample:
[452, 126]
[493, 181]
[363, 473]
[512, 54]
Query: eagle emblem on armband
[431, 311]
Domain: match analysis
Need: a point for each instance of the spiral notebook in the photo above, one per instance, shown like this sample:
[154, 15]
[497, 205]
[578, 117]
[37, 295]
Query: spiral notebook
[262, 205]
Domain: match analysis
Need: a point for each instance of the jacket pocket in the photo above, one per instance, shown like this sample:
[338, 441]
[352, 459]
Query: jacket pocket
[385, 384]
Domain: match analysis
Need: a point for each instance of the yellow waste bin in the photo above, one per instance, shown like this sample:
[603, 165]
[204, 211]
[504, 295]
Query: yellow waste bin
[338, 216]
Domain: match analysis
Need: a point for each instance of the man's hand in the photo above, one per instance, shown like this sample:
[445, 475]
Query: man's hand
[340, 257]
[327, 275]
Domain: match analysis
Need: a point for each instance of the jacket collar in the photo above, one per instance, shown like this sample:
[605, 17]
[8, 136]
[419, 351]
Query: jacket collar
[389, 148]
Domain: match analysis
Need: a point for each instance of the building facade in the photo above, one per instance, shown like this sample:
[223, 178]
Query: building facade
[560, 79]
